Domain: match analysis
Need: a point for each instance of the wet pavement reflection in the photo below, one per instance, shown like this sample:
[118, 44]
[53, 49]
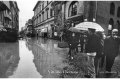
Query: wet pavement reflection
[32, 58]
[48, 58]
[9, 59]
[40, 58]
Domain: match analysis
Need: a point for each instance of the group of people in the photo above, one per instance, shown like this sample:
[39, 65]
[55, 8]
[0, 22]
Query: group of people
[97, 47]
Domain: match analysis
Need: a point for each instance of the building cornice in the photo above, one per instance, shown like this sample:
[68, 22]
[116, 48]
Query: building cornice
[36, 5]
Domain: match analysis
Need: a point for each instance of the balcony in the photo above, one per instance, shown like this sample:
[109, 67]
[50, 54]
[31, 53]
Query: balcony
[7, 16]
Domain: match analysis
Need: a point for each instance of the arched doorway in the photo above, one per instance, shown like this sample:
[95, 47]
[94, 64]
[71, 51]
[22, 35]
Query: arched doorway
[111, 22]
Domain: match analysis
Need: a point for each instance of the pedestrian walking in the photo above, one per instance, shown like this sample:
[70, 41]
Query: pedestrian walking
[99, 55]
[92, 47]
[73, 43]
[82, 42]
[111, 49]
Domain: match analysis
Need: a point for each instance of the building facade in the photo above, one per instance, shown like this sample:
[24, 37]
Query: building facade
[105, 13]
[14, 15]
[108, 13]
[43, 18]
[9, 18]
[66, 13]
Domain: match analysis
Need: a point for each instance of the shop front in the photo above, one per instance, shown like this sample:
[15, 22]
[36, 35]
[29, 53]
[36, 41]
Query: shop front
[44, 32]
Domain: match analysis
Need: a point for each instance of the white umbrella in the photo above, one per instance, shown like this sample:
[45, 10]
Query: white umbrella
[86, 25]
[73, 29]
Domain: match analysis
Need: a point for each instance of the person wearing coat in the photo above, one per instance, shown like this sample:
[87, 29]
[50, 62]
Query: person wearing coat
[99, 55]
[111, 49]
[92, 47]
[73, 44]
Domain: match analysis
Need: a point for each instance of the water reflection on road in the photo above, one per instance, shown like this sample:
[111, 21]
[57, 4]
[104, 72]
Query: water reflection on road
[36, 58]
[9, 59]
[32, 58]
[26, 67]
[48, 58]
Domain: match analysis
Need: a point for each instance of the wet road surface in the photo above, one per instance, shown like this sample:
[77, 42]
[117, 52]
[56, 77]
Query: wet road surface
[32, 59]
[39, 58]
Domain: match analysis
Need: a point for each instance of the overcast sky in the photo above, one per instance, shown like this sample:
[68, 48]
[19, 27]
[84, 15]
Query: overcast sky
[26, 10]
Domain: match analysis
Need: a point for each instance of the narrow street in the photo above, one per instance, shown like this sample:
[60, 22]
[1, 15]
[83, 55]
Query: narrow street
[32, 59]
[41, 58]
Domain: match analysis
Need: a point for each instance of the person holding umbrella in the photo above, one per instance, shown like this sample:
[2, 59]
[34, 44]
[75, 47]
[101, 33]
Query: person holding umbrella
[92, 47]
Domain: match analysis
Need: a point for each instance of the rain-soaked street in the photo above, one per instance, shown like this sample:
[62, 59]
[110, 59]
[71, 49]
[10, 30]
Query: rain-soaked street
[31, 58]
[38, 58]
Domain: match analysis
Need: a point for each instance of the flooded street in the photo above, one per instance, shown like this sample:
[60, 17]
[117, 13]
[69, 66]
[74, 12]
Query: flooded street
[31, 58]
[40, 58]
[26, 68]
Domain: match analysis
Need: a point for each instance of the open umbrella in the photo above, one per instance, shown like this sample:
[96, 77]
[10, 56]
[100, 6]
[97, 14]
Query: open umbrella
[86, 25]
[73, 29]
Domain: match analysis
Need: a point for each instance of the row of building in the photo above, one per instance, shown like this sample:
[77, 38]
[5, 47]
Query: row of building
[9, 17]
[50, 17]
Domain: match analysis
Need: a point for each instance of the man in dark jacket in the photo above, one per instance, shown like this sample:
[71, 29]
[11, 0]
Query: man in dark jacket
[93, 47]
[111, 49]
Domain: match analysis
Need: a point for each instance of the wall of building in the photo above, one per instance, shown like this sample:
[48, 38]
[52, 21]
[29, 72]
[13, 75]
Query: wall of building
[104, 16]
[42, 18]
[80, 9]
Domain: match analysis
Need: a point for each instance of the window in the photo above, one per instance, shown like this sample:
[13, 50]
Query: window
[118, 12]
[40, 18]
[42, 6]
[73, 8]
[43, 16]
[51, 13]
[112, 8]
[111, 22]
[47, 13]
[37, 20]
[47, 2]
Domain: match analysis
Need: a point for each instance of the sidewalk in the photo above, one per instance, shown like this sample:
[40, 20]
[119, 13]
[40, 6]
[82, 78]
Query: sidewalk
[77, 67]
